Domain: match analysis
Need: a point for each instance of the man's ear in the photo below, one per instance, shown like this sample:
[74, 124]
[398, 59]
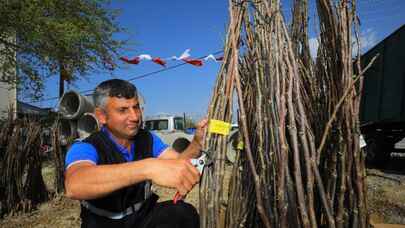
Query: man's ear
[100, 115]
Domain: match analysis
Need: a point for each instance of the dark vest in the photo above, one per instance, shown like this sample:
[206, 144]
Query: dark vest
[108, 153]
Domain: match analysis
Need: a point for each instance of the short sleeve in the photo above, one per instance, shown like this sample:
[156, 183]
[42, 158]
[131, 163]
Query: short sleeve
[158, 145]
[81, 151]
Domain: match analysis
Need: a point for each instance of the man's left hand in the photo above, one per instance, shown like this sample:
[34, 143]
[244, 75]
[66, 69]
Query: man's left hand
[200, 131]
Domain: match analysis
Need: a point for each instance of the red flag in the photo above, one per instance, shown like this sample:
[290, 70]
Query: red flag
[130, 61]
[159, 61]
[195, 62]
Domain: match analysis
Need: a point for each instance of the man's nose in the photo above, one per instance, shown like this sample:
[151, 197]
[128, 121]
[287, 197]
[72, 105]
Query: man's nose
[134, 115]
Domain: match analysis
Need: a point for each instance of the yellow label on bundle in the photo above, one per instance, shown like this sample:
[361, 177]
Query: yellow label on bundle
[219, 127]
[241, 145]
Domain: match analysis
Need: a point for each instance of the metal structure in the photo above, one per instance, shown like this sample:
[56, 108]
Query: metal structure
[382, 110]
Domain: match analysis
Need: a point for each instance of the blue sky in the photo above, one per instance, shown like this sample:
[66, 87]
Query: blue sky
[167, 28]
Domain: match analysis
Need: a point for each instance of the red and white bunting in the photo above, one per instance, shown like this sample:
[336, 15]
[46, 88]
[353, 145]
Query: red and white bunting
[212, 57]
[159, 61]
[185, 57]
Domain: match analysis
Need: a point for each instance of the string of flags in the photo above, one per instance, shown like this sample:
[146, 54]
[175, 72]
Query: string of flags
[185, 57]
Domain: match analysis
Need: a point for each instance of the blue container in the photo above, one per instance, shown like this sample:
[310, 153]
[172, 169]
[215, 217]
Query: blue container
[190, 130]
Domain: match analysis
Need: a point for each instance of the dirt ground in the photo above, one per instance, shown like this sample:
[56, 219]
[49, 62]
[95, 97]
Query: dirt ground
[386, 192]
[386, 201]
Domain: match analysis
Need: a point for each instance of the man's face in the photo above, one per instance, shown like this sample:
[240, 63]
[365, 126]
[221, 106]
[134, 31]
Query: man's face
[122, 117]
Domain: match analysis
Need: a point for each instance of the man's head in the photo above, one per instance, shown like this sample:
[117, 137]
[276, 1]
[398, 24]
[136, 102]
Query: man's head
[117, 107]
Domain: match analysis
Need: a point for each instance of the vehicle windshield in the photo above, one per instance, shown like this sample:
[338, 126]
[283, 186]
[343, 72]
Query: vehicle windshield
[156, 125]
[178, 123]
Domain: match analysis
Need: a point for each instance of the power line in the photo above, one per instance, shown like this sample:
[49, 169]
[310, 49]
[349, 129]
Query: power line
[134, 78]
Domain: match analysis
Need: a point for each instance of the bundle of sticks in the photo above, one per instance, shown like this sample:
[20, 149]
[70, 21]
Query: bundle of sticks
[22, 187]
[301, 165]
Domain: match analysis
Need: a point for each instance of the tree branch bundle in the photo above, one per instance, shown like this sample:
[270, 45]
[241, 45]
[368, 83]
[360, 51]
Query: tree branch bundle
[298, 116]
[22, 186]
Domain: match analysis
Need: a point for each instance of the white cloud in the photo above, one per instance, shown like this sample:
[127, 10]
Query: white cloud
[313, 46]
[368, 38]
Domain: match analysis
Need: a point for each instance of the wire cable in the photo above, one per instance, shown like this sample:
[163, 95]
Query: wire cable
[86, 92]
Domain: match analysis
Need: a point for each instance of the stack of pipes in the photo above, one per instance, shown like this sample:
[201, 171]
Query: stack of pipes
[78, 119]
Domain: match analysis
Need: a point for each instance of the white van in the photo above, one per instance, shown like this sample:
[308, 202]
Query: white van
[167, 127]
[164, 123]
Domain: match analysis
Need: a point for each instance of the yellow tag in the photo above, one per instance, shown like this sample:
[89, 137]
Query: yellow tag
[241, 145]
[219, 127]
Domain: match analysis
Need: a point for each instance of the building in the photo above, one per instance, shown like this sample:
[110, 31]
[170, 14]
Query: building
[8, 92]
[27, 110]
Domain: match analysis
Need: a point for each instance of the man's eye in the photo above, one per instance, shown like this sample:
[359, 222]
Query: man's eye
[122, 110]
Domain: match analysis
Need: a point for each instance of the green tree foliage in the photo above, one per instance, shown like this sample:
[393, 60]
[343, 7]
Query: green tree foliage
[44, 38]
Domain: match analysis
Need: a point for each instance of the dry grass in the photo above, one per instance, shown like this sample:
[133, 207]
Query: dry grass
[386, 199]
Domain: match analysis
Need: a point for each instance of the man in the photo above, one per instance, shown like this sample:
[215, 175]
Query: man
[110, 171]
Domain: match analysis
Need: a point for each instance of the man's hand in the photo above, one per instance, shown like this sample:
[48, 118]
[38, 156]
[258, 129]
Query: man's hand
[86, 180]
[176, 173]
[194, 148]
[200, 131]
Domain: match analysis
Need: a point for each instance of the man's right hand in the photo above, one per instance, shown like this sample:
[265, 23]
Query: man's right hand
[175, 173]
[85, 180]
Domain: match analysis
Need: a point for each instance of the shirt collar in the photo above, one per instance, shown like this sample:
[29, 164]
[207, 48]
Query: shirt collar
[120, 147]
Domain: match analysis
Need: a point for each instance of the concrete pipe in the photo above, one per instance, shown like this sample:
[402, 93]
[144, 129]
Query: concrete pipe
[87, 124]
[68, 130]
[72, 105]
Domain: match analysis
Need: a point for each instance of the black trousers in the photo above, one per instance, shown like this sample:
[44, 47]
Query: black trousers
[153, 215]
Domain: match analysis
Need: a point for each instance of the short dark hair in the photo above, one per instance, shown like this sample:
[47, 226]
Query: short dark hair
[180, 144]
[113, 88]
